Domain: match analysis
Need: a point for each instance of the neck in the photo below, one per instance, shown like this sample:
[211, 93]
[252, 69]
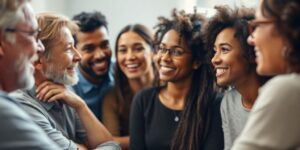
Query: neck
[249, 90]
[89, 78]
[144, 81]
[174, 95]
[39, 77]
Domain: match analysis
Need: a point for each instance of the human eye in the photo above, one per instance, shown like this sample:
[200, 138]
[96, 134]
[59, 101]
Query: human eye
[105, 45]
[177, 51]
[224, 50]
[89, 48]
[122, 50]
[138, 48]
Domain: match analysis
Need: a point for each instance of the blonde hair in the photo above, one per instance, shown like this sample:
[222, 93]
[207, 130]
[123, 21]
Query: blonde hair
[51, 25]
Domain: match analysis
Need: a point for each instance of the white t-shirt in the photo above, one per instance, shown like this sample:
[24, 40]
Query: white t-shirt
[274, 121]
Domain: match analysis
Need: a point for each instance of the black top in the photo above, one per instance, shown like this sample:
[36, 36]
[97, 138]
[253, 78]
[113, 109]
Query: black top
[152, 124]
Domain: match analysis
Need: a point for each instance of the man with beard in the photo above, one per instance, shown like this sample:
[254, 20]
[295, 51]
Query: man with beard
[92, 42]
[18, 47]
[62, 114]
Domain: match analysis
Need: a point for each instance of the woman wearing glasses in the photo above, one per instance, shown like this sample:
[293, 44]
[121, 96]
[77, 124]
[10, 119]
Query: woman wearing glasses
[274, 120]
[183, 112]
[234, 61]
[134, 71]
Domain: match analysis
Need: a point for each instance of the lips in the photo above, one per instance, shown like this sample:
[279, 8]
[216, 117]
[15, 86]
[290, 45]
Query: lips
[100, 65]
[166, 69]
[257, 54]
[220, 71]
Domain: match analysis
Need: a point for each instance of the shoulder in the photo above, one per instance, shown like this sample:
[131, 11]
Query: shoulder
[231, 97]
[284, 83]
[280, 91]
[145, 97]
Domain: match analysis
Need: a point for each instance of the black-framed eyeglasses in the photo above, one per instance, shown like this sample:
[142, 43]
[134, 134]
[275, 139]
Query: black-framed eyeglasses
[33, 33]
[253, 24]
[172, 51]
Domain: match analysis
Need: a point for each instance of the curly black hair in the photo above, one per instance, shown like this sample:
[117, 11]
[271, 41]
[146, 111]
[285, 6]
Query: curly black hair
[188, 26]
[88, 22]
[195, 119]
[286, 14]
[237, 19]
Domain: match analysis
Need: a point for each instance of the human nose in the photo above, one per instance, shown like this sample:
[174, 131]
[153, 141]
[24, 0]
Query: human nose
[250, 40]
[76, 56]
[130, 55]
[40, 47]
[215, 59]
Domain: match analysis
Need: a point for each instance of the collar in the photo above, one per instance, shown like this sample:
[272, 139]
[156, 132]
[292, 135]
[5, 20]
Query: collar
[87, 86]
[46, 105]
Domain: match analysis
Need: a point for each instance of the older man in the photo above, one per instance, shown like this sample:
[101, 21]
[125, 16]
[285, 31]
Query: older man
[18, 45]
[62, 114]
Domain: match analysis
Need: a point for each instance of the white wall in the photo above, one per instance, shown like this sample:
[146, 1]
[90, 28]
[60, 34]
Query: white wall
[119, 13]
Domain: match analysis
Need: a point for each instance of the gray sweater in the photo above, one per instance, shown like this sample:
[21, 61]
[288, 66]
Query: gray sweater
[234, 116]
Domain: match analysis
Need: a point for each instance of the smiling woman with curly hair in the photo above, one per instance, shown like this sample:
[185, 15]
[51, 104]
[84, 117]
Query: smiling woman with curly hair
[182, 113]
[233, 58]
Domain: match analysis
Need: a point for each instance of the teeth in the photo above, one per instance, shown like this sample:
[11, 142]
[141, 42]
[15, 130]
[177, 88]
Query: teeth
[165, 69]
[132, 66]
[220, 72]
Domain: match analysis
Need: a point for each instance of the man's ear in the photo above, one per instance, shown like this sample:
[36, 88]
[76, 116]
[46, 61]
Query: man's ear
[196, 64]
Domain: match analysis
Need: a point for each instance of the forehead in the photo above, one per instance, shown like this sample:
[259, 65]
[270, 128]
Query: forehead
[28, 17]
[97, 35]
[258, 12]
[130, 37]
[171, 38]
[226, 36]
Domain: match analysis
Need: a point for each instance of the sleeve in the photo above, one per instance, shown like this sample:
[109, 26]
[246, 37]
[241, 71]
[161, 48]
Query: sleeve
[110, 115]
[18, 131]
[41, 120]
[274, 120]
[225, 126]
[137, 124]
[81, 136]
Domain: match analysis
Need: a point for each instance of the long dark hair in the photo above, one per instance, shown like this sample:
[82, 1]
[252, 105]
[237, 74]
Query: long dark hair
[124, 92]
[195, 119]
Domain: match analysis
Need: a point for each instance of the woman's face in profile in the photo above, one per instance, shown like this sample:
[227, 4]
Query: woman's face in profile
[134, 55]
[269, 45]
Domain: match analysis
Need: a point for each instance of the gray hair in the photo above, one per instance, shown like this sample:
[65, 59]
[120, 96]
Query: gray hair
[10, 15]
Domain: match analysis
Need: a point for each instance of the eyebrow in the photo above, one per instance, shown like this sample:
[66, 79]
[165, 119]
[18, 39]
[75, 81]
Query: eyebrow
[225, 44]
[174, 46]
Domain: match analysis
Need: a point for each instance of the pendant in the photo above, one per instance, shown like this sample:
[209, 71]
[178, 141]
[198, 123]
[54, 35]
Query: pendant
[176, 119]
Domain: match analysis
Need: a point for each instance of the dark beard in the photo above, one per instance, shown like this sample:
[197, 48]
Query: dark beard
[92, 74]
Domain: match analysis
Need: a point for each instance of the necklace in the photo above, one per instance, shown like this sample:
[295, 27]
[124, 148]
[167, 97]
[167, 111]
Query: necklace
[176, 118]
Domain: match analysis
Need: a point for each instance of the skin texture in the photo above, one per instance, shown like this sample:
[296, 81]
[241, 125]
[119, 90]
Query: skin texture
[133, 55]
[21, 55]
[228, 61]
[96, 53]
[269, 47]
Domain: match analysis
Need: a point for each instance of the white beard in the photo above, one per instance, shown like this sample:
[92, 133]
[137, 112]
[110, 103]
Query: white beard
[61, 77]
[24, 71]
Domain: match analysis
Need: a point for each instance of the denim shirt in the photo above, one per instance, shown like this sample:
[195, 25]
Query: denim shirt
[93, 94]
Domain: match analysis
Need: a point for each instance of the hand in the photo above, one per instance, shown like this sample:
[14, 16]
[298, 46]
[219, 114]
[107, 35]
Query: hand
[50, 91]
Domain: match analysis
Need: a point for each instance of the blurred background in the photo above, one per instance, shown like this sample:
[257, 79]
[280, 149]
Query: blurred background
[120, 13]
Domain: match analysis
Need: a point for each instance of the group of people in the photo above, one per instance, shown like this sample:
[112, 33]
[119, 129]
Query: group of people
[230, 81]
